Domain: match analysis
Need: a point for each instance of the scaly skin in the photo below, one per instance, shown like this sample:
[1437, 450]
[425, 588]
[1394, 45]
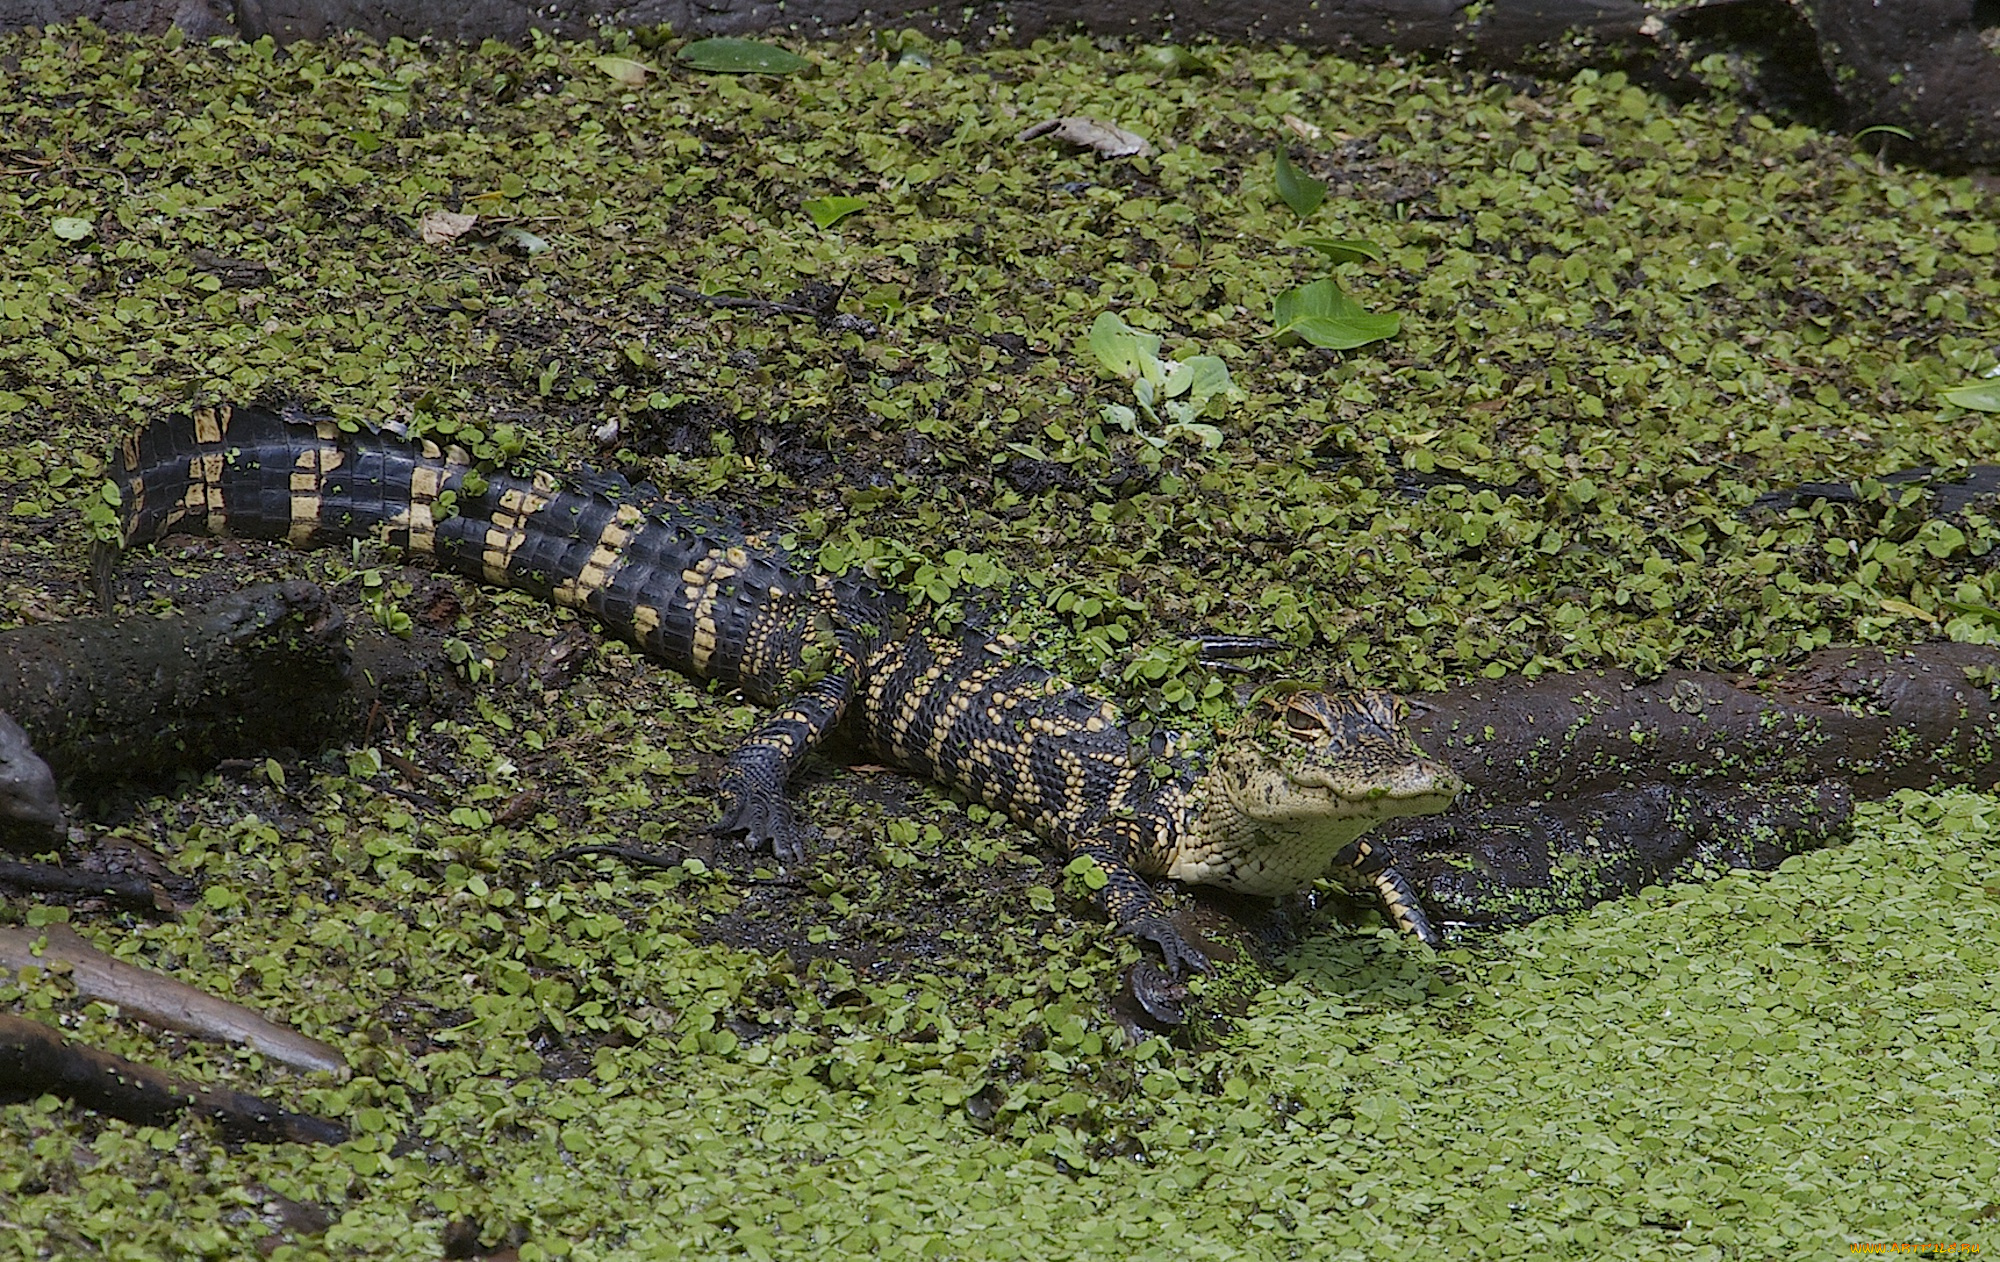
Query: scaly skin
[1285, 802]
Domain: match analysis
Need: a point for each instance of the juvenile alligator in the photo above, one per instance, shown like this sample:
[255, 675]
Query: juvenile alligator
[1279, 802]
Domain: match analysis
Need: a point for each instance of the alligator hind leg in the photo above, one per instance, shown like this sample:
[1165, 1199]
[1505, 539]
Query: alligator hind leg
[753, 783]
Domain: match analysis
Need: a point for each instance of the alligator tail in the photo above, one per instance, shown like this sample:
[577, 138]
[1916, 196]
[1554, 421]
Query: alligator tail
[677, 583]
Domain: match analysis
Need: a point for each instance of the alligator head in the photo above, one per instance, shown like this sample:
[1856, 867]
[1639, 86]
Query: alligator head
[1302, 777]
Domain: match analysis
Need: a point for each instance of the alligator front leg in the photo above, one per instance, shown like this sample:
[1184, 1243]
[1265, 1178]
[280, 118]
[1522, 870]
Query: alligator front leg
[754, 782]
[1366, 865]
[1129, 900]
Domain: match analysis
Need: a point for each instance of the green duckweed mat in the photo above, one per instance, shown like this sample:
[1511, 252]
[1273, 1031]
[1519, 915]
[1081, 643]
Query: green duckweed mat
[1623, 319]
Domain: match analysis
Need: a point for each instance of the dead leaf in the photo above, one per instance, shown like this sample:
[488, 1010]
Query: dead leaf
[628, 72]
[1302, 129]
[1088, 133]
[1908, 610]
[442, 226]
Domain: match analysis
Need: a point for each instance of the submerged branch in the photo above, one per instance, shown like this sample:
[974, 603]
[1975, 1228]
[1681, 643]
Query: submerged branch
[35, 1059]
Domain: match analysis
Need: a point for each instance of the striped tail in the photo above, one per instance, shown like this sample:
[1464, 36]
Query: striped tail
[264, 474]
[675, 580]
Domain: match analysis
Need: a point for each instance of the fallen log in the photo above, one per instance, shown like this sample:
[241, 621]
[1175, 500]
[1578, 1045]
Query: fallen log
[1878, 720]
[134, 893]
[157, 998]
[107, 699]
[35, 1059]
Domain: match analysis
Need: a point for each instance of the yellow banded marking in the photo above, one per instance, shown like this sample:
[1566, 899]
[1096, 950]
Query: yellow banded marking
[204, 493]
[646, 621]
[208, 426]
[507, 531]
[308, 477]
[961, 703]
[134, 501]
[1074, 775]
[425, 484]
[704, 588]
[606, 558]
[907, 705]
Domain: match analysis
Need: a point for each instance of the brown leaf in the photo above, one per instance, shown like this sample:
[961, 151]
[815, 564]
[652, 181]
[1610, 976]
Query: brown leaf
[442, 226]
[1089, 133]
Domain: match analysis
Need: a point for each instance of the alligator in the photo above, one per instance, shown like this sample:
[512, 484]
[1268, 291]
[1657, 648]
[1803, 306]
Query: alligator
[1266, 808]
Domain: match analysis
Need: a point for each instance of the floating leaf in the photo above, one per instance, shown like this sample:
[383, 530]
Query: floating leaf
[1907, 610]
[1301, 192]
[1172, 59]
[1985, 613]
[1346, 249]
[1322, 314]
[1197, 386]
[71, 229]
[1088, 133]
[628, 72]
[724, 55]
[1127, 352]
[1981, 397]
[523, 240]
[1195, 383]
[905, 48]
[441, 226]
[828, 211]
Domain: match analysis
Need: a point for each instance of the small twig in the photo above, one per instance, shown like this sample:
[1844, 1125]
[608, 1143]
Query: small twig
[1221, 652]
[630, 854]
[748, 304]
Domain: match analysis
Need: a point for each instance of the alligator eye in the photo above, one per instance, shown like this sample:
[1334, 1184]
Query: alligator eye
[1304, 723]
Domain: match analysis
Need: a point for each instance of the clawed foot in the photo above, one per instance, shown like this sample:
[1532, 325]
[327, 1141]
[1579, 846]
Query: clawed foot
[1399, 900]
[1179, 956]
[763, 818]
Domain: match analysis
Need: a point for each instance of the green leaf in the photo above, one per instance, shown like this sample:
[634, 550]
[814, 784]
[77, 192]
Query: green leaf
[628, 72]
[1208, 435]
[1127, 352]
[1346, 249]
[1322, 314]
[1086, 869]
[1886, 129]
[1198, 381]
[1301, 192]
[1984, 612]
[740, 56]
[71, 229]
[1123, 417]
[828, 211]
[1172, 59]
[1982, 396]
[523, 240]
